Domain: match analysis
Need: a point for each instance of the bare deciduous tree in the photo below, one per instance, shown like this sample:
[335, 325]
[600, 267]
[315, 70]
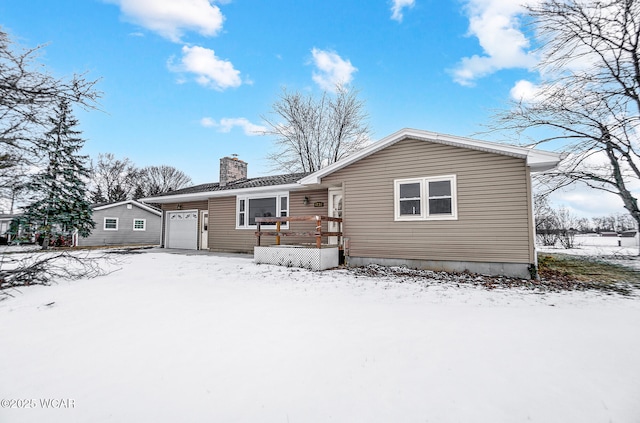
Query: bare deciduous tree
[566, 227]
[18, 270]
[546, 221]
[311, 132]
[27, 96]
[159, 179]
[113, 179]
[589, 95]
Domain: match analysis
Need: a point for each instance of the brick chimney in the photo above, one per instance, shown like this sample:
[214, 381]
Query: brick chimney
[232, 169]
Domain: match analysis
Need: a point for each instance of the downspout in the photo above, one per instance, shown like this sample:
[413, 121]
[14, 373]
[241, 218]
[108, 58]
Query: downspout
[533, 252]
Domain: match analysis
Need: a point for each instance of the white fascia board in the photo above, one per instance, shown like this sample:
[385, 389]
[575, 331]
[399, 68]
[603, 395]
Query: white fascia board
[147, 208]
[491, 147]
[539, 161]
[108, 206]
[198, 196]
[133, 202]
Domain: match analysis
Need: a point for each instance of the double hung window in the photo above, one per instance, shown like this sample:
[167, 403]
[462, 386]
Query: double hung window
[432, 198]
[110, 224]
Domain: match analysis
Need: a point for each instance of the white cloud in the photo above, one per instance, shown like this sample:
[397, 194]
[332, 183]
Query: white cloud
[171, 18]
[397, 6]
[524, 91]
[496, 24]
[210, 70]
[332, 70]
[586, 201]
[227, 124]
[207, 122]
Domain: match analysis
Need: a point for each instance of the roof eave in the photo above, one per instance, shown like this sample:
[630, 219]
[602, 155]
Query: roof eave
[199, 196]
[541, 161]
[490, 147]
[134, 202]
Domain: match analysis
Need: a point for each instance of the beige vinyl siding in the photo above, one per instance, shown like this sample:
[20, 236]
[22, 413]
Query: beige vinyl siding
[296, 204]
[192, 205]
[223, 235]
[493, 222]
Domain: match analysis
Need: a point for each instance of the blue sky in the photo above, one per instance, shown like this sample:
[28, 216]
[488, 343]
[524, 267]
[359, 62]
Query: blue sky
[185, 82]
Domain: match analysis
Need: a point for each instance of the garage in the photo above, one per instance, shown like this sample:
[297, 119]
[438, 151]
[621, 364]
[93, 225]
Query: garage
[182, 230]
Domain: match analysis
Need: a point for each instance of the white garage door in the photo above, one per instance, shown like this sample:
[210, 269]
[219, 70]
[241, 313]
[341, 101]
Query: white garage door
[182, 230]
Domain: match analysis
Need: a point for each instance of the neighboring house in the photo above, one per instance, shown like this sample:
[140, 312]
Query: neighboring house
[124, 223]
[414, 198]
[5, 225]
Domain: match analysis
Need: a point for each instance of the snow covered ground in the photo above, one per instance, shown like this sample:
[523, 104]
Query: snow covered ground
[170, 338]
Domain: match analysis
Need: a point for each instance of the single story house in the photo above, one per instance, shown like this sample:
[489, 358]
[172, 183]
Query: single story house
[415, 198]
[123, 223]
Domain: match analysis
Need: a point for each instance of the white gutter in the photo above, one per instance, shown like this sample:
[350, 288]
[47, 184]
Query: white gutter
[205, 195]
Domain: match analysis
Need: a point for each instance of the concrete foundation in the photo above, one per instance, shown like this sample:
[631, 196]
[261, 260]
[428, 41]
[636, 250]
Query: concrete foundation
[514, 270]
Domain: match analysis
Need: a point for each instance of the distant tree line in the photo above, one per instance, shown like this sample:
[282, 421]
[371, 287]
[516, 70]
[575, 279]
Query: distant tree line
[560, 225]
[114, 179]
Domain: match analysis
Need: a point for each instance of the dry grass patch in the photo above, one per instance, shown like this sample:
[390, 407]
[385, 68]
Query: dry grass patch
[588, 270]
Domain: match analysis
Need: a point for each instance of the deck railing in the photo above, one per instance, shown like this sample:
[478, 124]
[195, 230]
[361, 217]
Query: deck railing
[318, 233]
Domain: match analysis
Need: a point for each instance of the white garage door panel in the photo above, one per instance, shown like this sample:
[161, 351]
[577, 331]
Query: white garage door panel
[182, 229]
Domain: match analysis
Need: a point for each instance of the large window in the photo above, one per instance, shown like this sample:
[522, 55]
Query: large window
[110, 224]
[432, 198]
[248, 208]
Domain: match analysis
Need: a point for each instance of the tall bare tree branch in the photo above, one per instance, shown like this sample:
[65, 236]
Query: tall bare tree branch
[311, 133]
[588, 96]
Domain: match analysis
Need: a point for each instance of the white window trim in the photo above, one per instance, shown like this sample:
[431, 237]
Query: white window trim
[424, 198]
[246, 198]
[144, 224]
[104, 224]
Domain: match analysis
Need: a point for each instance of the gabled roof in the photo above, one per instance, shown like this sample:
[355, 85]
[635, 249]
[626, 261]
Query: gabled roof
[245, 185]
[150, 209]
[537, 160]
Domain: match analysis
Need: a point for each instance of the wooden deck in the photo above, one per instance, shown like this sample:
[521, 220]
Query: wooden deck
[278, 233]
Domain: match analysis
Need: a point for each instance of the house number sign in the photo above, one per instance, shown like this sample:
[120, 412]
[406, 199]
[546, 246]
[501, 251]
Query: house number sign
[318, 204]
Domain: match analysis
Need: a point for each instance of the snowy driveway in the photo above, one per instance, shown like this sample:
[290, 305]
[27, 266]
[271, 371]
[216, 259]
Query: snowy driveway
[218, 339]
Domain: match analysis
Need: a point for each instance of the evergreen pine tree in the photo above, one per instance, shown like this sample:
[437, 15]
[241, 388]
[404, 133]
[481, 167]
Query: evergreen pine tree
[139, 192]
[61, 204]
[97, 197]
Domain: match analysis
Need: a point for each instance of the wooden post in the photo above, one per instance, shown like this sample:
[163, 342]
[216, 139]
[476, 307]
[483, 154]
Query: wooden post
[258, 228]
[318, 232]
[278, 231]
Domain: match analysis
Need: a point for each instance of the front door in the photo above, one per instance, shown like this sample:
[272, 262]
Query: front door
[335, 210]
[204, 229]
